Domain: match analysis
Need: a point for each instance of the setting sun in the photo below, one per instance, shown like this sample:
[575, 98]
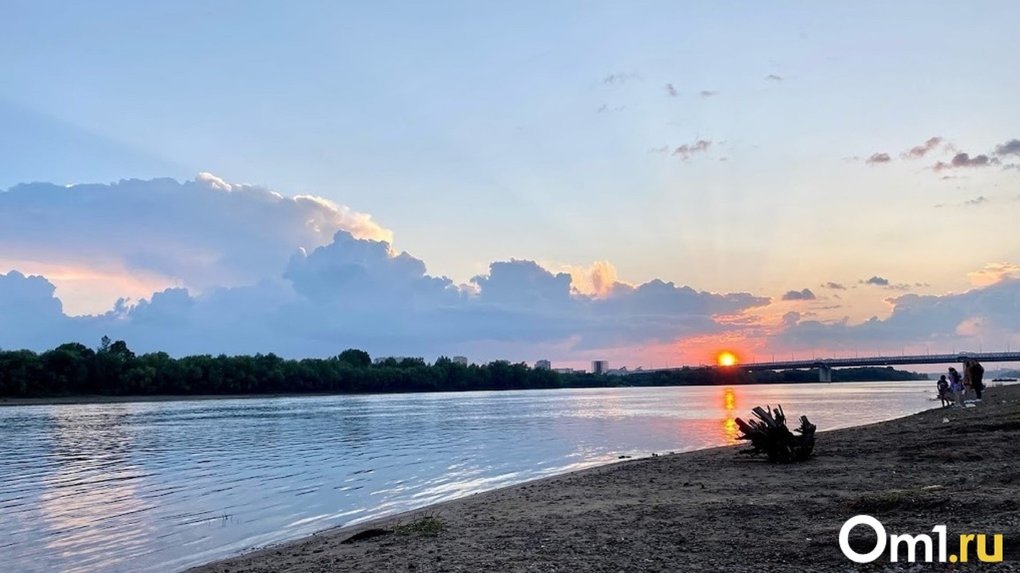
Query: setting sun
[726, 359]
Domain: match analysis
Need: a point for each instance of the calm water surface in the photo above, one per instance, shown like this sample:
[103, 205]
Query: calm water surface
[160, 486]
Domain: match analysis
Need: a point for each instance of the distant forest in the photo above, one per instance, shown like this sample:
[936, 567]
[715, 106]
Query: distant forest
[74, 369]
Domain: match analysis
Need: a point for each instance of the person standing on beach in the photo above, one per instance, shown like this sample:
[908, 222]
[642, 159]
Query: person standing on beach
[943, 388]
[966, 376]
[976, 373]
[956, 385]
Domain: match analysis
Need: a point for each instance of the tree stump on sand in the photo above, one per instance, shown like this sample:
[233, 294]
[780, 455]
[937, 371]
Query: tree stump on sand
[769, 435]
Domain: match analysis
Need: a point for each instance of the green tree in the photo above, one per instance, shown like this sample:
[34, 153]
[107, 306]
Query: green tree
[355, 358]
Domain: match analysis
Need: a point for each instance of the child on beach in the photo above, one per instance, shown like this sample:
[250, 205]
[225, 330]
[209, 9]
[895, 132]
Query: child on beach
[943, 388]
[956, 385]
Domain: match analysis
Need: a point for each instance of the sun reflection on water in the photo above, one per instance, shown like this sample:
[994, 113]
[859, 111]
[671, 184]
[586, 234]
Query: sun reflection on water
[729, 424]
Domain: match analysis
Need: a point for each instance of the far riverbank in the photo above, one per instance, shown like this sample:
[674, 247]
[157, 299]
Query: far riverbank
[588, 381]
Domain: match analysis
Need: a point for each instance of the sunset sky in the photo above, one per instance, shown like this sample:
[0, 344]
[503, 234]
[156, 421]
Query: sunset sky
[788, 179]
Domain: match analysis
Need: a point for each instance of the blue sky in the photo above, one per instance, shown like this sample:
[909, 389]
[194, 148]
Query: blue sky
[480, 133]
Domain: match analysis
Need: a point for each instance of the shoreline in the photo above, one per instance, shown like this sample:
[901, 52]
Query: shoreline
[84, 399]
[710, 509]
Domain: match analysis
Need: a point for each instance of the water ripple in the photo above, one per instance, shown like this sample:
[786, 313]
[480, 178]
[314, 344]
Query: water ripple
[162, 486]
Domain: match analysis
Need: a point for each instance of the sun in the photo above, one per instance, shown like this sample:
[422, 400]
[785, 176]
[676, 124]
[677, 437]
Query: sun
[726, 358]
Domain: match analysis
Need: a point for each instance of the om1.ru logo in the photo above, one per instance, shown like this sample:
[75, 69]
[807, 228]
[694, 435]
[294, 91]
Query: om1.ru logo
[895, 542]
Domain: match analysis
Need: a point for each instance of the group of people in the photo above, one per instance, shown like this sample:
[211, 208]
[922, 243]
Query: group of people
[955, 389]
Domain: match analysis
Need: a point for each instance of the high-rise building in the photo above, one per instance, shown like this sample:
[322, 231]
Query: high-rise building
[543, 365]
[462, 360]
[599, 366]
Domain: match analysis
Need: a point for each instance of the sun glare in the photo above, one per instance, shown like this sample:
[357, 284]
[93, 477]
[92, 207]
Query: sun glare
[726, 358]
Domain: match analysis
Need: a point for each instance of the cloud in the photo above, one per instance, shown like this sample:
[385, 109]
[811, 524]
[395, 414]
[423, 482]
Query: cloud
[26, 299]
[834, 286]
[605, 108]
[356, 272]
[32, 316]
[349, 291]
[961, 160]
[919, 151]
[619, 78]
[201, 233]
[878, 158]
[942, 323]
[994, 273]
[885, 283]
[685, 151]
[1011, 147]
[597, 280]
[964, 160]
[774, 78]
[804, 294]
[980, 200]
[708, 93]
[670, 90]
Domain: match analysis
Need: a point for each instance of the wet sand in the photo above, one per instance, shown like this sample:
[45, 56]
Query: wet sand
[710, 510]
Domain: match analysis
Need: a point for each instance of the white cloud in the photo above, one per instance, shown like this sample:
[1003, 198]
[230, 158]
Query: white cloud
[256, 272]
[200, 234]
[359, 292]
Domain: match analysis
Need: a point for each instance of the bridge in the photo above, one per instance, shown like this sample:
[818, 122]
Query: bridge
[825, 365]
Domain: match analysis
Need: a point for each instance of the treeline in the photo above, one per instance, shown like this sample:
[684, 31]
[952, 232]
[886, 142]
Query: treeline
[113, 369]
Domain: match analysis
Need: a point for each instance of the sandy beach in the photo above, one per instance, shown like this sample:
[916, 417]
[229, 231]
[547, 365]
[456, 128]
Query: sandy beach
[710, 510]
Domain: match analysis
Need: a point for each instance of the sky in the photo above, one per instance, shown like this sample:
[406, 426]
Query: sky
[645, 182]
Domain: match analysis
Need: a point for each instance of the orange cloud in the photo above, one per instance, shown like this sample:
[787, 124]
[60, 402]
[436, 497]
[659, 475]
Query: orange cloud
[91, 289]
[595, 280]
[993, 273]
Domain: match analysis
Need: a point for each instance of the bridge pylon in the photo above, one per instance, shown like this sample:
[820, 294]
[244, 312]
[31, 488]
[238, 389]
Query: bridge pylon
[824, 373]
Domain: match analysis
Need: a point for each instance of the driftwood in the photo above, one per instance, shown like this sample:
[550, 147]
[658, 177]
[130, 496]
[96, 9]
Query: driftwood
[769, 435]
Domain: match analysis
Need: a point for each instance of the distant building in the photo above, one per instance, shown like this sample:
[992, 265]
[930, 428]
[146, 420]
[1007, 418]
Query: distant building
[563, 370]
[543, 365]
[462, 360]
[599, 366]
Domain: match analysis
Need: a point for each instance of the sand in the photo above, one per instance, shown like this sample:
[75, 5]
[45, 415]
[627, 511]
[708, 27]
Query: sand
[710, 510]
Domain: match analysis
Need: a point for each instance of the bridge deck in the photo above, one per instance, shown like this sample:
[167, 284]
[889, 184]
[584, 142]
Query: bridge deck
[883, 361]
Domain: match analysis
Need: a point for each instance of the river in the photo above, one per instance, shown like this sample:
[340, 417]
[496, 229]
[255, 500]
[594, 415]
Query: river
[160, 486]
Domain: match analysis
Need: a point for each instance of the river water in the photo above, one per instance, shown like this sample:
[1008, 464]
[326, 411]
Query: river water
[160, 486]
